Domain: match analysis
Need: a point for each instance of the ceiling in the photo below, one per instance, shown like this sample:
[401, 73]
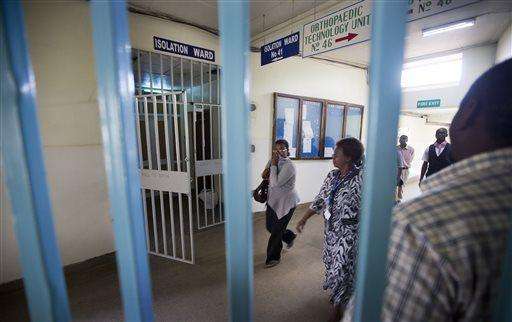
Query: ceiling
[264, 14]
[492, 18]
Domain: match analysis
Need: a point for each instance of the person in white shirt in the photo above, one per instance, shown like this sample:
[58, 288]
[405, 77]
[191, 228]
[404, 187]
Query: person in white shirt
[282, 201]
[437, 156]
[406, 154]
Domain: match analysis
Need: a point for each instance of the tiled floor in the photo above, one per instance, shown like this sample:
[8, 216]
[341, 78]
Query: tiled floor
[291, 291]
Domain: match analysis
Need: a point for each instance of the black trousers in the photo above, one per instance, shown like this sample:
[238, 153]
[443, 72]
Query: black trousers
[278, 233]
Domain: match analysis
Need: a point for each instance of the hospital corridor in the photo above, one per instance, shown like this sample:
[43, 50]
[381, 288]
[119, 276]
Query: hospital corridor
[233, 160]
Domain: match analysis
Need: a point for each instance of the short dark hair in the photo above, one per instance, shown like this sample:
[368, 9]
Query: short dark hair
[491, 93]
[283, 142]
[352, 148]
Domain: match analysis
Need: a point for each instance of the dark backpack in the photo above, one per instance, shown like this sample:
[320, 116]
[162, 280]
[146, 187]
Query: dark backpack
[260, 194]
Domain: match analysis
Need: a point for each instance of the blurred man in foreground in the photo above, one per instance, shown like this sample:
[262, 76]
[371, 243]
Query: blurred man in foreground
[447, 245]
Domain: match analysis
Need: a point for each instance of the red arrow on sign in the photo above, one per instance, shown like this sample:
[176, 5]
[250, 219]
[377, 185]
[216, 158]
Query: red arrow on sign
[348, 37]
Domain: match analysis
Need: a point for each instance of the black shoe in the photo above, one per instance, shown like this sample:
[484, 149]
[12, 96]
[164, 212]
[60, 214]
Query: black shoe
[271, 263]
[290, 244]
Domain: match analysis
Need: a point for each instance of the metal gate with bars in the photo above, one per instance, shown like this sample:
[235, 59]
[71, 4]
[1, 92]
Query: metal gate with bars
[179, 142]
[208, 164]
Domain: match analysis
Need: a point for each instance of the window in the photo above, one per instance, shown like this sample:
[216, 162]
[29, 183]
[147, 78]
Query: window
[311, 126]
[333, 128]
[439, 72]
[286, 125]
[322, 124]
[353, 117]
[155, 72]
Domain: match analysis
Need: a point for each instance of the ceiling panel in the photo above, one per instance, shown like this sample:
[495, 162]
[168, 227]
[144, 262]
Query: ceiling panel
[198, 12]
[277, 12]
[204, 12]
[492, 18]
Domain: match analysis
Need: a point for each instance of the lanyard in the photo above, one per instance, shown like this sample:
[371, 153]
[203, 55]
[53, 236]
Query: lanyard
[338, 184]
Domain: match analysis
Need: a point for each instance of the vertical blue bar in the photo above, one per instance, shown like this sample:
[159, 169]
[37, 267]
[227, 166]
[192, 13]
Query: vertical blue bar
[25, 175]
[234, 39]
[380, 171]
[117, 112]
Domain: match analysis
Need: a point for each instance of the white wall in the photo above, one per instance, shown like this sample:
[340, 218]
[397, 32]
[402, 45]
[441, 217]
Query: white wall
[303, 77]
[68, 113]
[504, 49]
[475, 61]
[60, 43]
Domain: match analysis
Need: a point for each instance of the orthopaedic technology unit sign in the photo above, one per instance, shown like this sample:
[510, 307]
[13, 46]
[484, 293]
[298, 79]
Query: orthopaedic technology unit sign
[352, 25]
[345, 27]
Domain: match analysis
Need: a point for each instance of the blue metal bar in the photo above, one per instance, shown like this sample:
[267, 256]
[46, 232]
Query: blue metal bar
[234, 32]
[117, 112]
[25, 175]
[502, 307]
[380, 171]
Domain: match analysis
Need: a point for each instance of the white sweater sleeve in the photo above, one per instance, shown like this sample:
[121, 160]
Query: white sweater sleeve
[286, 173]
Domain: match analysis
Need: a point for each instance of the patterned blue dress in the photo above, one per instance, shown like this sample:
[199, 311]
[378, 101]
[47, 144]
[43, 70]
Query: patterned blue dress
[342, 197]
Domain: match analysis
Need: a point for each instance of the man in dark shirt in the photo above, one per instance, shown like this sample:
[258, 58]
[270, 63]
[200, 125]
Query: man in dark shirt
[437, 156]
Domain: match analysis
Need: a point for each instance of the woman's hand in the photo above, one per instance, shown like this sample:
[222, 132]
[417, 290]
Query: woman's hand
[301, 224]
[265, 174]
[275, 158]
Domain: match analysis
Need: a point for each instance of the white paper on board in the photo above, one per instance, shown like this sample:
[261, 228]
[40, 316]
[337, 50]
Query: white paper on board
[288, 132]
[289, 115]
[307, 130]
[328, 152]
[306, 145]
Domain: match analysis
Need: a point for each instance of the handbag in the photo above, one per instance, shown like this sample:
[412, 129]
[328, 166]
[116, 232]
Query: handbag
[260, 194]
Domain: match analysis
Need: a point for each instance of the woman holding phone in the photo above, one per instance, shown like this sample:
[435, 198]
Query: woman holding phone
[281, 203]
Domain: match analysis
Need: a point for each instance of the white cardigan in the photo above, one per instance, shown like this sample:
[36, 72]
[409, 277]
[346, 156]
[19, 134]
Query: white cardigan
[282, 196]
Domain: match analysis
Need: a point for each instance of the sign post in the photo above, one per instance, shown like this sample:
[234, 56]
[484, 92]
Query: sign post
[174, 47]
[428, 103]
[280, 49]
[352, 24]
[345, 27]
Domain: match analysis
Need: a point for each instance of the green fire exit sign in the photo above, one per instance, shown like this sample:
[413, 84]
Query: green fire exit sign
[428, 103]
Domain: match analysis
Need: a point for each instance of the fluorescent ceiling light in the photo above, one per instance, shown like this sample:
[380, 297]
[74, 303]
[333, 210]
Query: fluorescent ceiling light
[448, 27]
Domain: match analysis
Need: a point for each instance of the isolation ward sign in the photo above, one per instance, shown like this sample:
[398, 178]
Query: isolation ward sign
[282, 48]
[345, 27]
[178, 48]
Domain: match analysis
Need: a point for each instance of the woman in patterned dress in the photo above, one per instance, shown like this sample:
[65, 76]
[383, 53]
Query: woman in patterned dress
[339, 200]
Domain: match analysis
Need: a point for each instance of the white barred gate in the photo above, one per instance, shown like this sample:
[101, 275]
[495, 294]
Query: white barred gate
[178, 127]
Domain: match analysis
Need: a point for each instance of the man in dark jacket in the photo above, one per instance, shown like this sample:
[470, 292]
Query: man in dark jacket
[437, 156]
